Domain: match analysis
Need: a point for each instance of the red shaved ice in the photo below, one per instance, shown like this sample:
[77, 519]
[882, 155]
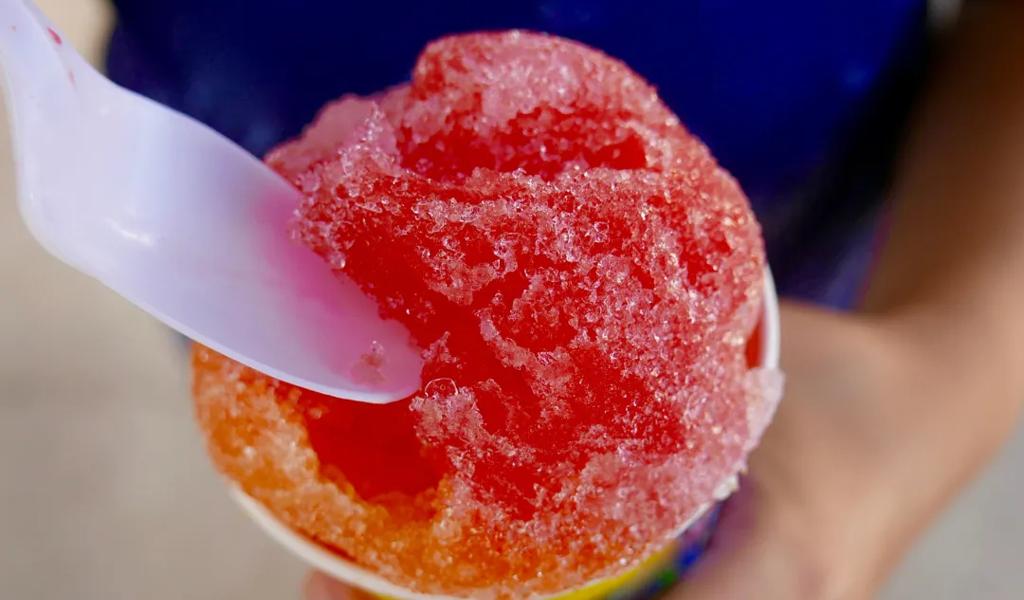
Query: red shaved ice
[583, 279]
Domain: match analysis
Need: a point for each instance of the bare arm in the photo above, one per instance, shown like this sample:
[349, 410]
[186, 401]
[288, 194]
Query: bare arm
[890, 411]
[950, 288]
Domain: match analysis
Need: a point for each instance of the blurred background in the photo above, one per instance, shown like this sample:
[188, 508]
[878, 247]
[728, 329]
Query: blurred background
[106, 493]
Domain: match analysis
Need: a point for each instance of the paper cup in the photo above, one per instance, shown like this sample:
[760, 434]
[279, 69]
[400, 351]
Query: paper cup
[651, 576]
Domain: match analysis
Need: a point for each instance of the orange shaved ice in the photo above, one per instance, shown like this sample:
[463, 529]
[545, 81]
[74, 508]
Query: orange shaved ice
[583, 279]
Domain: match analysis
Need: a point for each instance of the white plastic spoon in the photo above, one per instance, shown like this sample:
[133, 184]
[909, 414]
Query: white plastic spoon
[184, 223]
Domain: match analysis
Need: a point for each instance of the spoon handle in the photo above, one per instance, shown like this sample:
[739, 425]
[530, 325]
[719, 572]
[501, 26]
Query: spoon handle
[46, 81]
[39, 66]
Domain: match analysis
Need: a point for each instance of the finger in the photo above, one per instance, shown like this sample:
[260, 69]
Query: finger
[747, 557]
[322, 587]
[720, 572]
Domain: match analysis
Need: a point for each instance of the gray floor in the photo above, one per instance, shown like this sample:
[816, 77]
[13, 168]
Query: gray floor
[977, 549]
[106, 493]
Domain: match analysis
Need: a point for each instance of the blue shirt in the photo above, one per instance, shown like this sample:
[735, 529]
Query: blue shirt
[801, 100]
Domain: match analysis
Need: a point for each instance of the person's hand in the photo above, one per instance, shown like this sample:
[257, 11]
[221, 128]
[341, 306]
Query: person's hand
[812, 518]
[888, 413]
[815, 517]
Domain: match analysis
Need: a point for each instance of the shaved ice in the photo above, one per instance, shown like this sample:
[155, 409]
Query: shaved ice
[583, 280]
